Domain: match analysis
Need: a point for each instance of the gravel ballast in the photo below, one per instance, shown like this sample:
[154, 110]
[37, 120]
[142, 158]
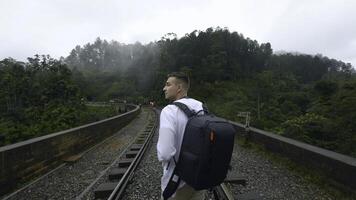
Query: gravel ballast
[270, 179]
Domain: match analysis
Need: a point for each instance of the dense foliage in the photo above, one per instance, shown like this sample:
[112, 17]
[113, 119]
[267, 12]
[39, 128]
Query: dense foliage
[39, 97]
[307, 97]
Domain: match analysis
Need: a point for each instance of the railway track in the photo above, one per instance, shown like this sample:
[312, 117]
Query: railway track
[124, 167]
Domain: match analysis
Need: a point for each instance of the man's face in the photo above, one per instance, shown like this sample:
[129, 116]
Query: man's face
[171, 89]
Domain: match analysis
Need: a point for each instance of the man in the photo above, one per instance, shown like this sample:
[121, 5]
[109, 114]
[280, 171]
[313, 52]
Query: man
[171, 131]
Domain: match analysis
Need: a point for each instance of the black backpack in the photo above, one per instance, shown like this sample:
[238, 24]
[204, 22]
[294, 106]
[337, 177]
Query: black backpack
[205, 153]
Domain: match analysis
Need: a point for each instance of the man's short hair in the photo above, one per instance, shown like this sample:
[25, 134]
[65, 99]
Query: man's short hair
[182, 77]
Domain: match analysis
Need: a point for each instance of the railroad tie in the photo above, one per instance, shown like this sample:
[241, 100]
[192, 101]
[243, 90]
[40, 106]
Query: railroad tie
[139, 141]
[125, 162]
[104, 190]
[131, 154]
[116, 173]
[136, 147]
[236, 179]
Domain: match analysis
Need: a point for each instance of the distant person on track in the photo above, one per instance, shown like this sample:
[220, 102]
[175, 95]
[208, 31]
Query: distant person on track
[172, 125]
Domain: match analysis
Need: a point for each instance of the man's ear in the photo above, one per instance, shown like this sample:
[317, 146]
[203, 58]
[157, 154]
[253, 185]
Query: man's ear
[179, 87]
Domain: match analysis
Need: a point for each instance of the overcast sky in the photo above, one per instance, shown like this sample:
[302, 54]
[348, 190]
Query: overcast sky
[55, 27]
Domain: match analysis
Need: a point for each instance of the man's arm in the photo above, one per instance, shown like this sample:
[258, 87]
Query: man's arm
[166, 140]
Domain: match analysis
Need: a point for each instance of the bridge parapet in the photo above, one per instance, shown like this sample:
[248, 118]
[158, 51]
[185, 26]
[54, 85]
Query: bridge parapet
[33, 157]
[338, 167]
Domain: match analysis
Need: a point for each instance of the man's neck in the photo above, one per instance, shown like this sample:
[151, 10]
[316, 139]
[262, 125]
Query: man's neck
[180, 96]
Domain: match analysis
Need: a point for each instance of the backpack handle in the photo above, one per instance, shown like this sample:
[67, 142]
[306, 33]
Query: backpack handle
[200, 112]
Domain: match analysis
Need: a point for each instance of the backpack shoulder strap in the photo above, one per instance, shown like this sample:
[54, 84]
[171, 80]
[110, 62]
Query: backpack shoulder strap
[185, 109]
[172, 185]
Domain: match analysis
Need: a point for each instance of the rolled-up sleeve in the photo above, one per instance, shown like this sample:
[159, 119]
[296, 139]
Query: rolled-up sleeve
[166, 140]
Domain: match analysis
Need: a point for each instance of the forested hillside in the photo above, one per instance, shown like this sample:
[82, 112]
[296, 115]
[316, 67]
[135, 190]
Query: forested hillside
[311, 98]
[40, 97]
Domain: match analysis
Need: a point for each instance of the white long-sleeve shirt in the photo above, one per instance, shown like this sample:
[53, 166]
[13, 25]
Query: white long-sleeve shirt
[171, 131]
